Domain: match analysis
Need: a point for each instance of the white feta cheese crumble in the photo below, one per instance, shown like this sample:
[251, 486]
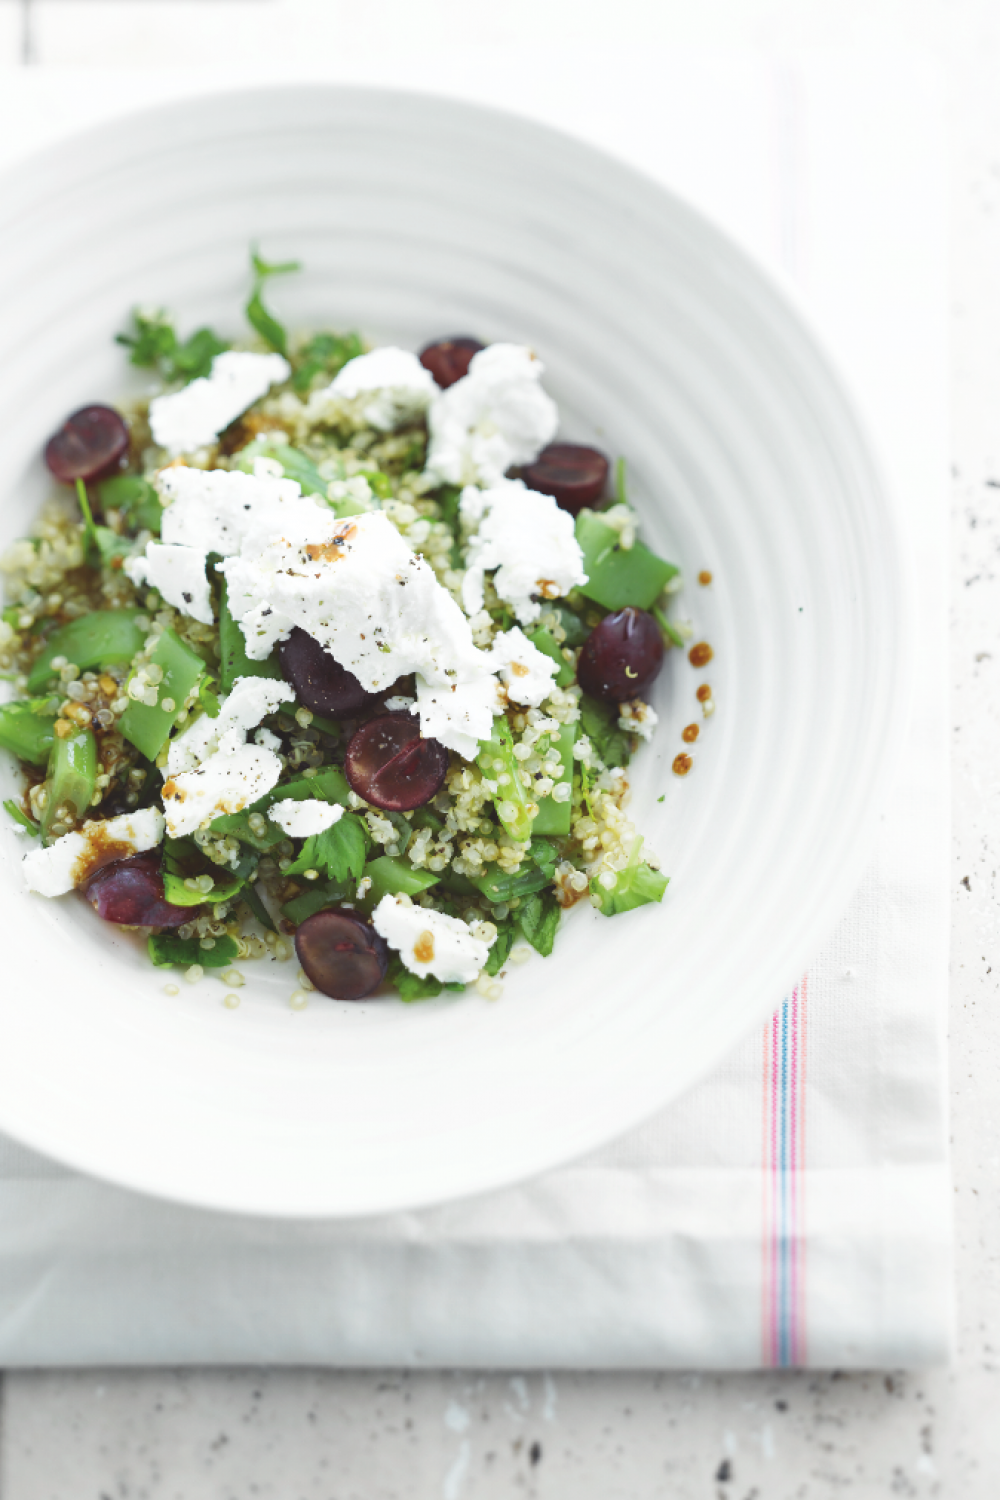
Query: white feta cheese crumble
[400, 705]
[251, 699]
[459, 714]
[429, 942]
[214, 509]
[638, 718]
[531, 544]
[178, 573]
[495, 416]
[71, 859]
[384, 388]
[302, 819]
[227, 782]
[266, 739]
[526, 672]
[193, 418]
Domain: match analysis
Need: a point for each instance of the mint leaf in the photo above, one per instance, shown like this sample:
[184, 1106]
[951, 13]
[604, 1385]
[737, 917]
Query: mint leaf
[599, 723]
[538, 918]
[166, 949]
[500, 952]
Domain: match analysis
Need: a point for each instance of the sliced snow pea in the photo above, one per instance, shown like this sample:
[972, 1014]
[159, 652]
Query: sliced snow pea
[234, 661]
[617, 576]
[179, 894]
[550, 647]
[637, 885]
[147, 726]
[27, 734]
[72, 776]
[498, 763]
[555, 817]
[105, 638]
[497, 886]
[392, 877]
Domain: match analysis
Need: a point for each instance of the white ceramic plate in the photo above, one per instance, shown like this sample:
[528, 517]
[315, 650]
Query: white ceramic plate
[415, 218]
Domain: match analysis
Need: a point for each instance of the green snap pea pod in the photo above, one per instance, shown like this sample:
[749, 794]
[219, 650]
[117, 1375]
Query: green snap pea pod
[555, 817]
[498, 763]
[178, 893]
[102, 639]
[499, 887]
[550, 647]
[392, 877]
[637, 885]
[72, 776]
[28, 735]
[617, 577]
[134, 496]
[234, 661]
[148, 726]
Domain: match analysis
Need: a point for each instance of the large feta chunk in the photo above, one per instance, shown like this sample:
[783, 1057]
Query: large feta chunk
[356, 587]
[531, 544]
[178, 573]
[73, 858]
[383, 389]
[495, 416]
[526, 672]
[193, 418]
[429, 942]
[214, 509]
[226, 782]
[251, 699]
[459, 714]
[301, 819]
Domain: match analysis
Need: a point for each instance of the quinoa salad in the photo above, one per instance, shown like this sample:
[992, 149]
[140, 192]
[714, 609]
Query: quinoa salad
[335, 653]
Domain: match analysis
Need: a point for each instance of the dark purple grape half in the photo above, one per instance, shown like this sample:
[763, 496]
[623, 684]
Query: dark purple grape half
[90, 444]
[389, 765]
[130, 891]
[341, 955]
[448, 359]
[320, 682]
[574, 476]
[621, 658]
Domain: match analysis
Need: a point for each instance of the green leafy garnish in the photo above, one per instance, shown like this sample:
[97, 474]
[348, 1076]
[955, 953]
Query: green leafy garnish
[411, 986]
[207, 696]
[620, 494]
[637, 885]
[538, 918]
[21, 817]
[258, 315]
[167, 949]
[599, 723]
[257, 907]
[154, 345]
[500, 952]
[325, 354]
[339, 850]
[100, 543]
[135, 498]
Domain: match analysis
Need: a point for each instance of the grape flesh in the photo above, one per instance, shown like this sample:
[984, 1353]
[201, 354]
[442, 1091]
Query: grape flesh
[91, 444]
[130, 892]
[621, 657]
[320, 682]
[341, 955]
[448, 359]
[389, 764]
[573, 475]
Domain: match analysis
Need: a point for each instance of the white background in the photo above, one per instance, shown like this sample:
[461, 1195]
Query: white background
[767, 1437]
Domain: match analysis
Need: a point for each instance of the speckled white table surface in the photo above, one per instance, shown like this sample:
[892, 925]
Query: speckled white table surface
[182, 1435]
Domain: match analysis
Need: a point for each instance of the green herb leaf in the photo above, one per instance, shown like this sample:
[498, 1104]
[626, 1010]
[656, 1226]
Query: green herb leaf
[339, 850]
[500, 952]
[257, 907]
[167, 949]
[21, 817]
[135, 498]
[325, 354]
[538, 918]
[154, 345]
[258, 315]
[599, 723]
[207, 696]
[669, 629]
[411, 986]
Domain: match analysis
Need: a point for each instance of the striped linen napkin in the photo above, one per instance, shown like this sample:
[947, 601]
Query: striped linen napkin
[793, 1209]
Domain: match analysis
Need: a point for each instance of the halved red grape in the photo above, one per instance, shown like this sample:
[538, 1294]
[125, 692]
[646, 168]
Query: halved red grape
[573, 475]
[389, 765]
[448, 359]
[90, 444]
[130, 891]
[621, 658]
[320, 682]
[341, 955]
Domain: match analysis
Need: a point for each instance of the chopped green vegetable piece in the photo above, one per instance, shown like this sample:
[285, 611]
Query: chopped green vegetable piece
[538, 919]
[72, 776]
[547, 643]
[19, 816]
[457, 885]
[257, 907]
[167, 949]
[179, 894]
[325, 354]
[207, 697]
[496, 759]
[155, 345]
[379, 483]
[669, 628]
[105, 638]
[295, 464]
[257, 314]
[29, 735]
[617, 577]
[329, 785]
[326, 726]
[500, 952]
[339, 850]
[498, 887]
[556, 817]
[234, 661]
[135, 498]
[637, 885]
[317, 898]
[599, 722]
[148, 727]
[100, 543]
[390, 876]
[411, 986]
[577, 630]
